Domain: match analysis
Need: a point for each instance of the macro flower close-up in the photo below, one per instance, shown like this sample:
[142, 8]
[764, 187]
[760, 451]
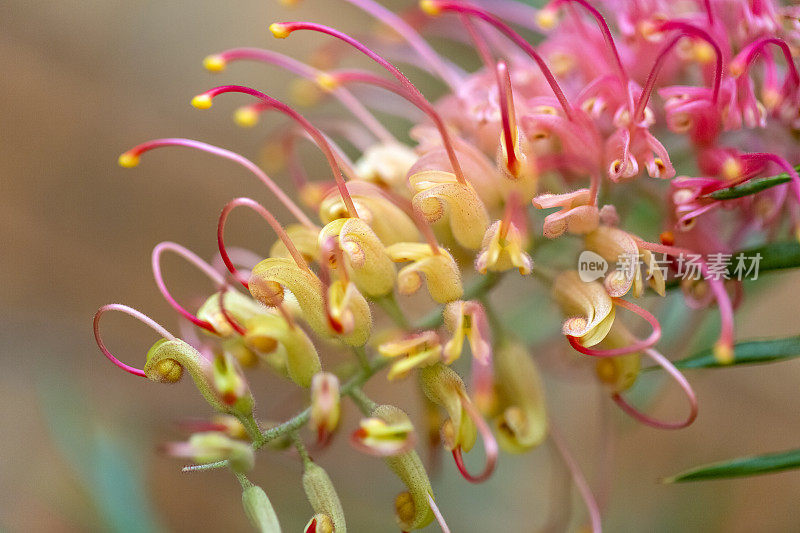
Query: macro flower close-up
[454, 265]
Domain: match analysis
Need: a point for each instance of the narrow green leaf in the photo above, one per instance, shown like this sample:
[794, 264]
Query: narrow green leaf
[748, 353]
[774, 256]
[752, 465]
[752, 186]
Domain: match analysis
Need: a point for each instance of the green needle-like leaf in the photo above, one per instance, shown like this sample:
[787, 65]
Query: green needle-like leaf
[748, 353]
[740, 467]
[752, 186]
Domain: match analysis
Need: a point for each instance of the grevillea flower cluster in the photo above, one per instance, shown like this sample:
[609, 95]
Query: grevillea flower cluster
[579, 112]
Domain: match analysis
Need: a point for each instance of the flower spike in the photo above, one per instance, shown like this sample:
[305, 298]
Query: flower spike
[194, 259]
[284, 29]
[204, 100]
[273, 222]
[131, 158]
[158, 328]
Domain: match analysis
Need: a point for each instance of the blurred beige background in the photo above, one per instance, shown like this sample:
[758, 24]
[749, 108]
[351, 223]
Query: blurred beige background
[83, 81]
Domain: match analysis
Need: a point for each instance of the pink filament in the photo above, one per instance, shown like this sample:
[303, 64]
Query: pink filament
[301, 69]
[489, 444]
[420, 45]
[438, 514]
[314, 132]
[637, 346]
[273, 222]
[233, 156]
[195, 260]
[158, 328]
[680, 379]
[446, 5]
[417, 97]
[228, 318]
[751, 50]
[601, 22]
[686, 30]
[578, 478]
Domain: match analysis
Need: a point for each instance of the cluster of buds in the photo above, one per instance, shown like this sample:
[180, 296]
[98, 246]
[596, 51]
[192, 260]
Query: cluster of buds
[577, 120]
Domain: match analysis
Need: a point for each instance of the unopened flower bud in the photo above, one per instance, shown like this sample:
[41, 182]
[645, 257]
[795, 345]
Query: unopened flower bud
[412, 510]
[259, 510]
[619, 373]
[446, 389]
[166, 361]
[299, 358]
[211, 447]
[375, 436]
[386, 165]
[319, 523]
[439, 193]
[325, 408]
[588, 306]
[231, 385]
[389, 222]
[522, 424]
[370, 268]
[322, 496]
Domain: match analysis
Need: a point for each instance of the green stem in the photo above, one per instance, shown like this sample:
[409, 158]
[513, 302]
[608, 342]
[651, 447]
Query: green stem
[253, 431]
[361, 354]
[390, 306]
[301, 448]
[301, 419]
[362, 400]
[246, 483]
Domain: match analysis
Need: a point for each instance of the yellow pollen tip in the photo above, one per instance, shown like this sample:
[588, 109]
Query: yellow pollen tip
[128, 160]
[246, 117]
[280, 31]
[327, 82]
[703, 52]
[547, 19]
[289, 3]
[214, 63]
[736, 68]
[731, 169]
[201, 101]
[430, 8]
[723, 353]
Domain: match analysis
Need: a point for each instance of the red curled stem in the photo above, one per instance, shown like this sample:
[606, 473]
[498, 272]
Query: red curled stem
[195, 260]
[489, 444]
[273, 222]
[637, 346]
[227, 316]
[664, 363]
[141, 317]
[320, 140]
